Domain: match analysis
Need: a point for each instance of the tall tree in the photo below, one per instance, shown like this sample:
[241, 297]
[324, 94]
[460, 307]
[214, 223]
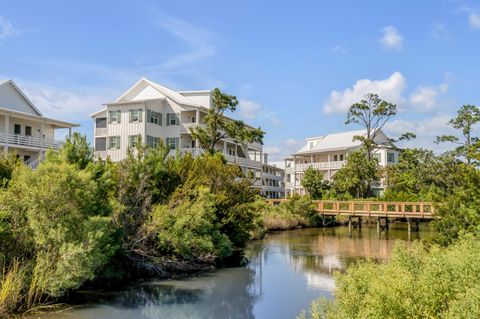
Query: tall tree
[218, 126]
[373, 113]
[314, 183]
[466, 118]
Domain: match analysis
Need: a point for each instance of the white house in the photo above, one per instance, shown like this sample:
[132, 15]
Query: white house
[273, 176]
[153, 112]
[329, 153]
[24, 131]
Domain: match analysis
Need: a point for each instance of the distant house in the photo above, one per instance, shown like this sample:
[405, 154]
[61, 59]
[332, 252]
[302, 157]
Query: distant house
[273, 176]
[329, 153]
[151, 112]
[23, 129]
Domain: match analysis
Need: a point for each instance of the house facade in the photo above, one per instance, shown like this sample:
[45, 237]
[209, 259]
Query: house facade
[24, 131]
[273, 185]
[329, 153]
[151, 112]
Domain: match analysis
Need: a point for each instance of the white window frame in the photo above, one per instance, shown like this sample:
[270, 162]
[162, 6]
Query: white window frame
[115, 117]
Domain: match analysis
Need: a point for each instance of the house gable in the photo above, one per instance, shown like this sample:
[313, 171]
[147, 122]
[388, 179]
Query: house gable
[11, 97]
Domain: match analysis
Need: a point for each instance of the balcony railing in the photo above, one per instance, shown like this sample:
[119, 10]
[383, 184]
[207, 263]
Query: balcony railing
[185, 127]
[29, 141]
[320, 165]
[100, 131]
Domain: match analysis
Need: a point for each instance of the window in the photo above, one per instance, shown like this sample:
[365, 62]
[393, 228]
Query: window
[152, 141]
[17, 129]
[101, 122]
[134, 139]
[341, 157]
[378, 157]
[172, 142]
[391, 157]
[114, 142]
[335, 158]
[114, 116]
[289, 178]
[101, 144]
[154, 117]
[172, 119]
[26, 158]
[136, 115]
[28, 131]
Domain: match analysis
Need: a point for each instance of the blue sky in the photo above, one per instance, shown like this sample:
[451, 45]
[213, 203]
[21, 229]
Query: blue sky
[294, 65]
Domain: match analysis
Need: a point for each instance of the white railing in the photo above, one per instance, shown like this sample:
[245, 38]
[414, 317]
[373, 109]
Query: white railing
[320, 165]
[272, 176]
[242, 161]
[29, 141]
[185, 127]
[100, 131]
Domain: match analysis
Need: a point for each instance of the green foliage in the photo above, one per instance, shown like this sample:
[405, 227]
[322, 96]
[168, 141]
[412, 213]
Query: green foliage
[8, 163]
[314, 183]
[233, 195]
[190, 229]
[467, 117]
[357, 175]
[420, 282]
[77, 151]
[218, 126]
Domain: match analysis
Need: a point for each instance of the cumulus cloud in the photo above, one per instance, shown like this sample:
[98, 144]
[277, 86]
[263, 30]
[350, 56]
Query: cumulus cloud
[7, 29]
[426, 130]
[390, 89]
[474, 20]
[249, 109]
[425, 97]
[391, 39]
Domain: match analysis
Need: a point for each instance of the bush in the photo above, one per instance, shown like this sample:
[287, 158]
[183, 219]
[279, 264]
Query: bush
[417, 282]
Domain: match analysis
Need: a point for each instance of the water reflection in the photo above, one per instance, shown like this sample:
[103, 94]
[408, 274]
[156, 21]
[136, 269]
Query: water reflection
[287, 270]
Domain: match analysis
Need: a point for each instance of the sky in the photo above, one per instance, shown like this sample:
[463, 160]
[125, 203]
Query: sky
[295, 66]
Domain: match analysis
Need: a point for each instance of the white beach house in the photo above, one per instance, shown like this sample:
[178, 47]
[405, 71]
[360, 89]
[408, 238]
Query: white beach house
[153, 113]
[329, 153]
[24, 131]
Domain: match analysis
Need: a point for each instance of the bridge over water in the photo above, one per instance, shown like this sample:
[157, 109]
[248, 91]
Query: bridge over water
[413, 212]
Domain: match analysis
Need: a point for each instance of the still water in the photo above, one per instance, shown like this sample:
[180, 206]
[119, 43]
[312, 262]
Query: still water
[287, 270]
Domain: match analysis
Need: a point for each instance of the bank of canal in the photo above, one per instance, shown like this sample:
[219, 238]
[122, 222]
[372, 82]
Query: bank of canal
[287, 270]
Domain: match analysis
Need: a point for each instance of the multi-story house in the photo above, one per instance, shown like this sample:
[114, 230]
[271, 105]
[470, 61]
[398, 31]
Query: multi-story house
[329, 153]
[24, 131]
[151, 112]
[273, 185]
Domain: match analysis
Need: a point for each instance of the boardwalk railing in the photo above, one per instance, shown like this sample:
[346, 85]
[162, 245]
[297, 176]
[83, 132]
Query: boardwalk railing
[370, 208]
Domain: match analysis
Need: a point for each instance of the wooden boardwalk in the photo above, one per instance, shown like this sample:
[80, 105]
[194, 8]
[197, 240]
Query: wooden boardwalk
[423, 210]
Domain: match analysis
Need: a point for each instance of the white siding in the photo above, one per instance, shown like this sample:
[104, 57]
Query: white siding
[11, 99]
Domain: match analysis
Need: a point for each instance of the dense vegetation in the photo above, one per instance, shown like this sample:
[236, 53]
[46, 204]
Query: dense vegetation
[428, 280]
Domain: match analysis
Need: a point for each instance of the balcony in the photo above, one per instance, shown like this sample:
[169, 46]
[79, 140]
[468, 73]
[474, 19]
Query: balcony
[101, 131]
[320, 165]
[29, 141]
[185, 127]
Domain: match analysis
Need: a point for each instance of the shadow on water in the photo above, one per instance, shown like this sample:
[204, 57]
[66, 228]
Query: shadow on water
[287, 270]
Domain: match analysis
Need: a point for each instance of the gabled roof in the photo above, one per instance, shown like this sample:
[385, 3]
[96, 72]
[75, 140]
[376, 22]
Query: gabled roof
[169, 93]
[336, 142]
[22, 95]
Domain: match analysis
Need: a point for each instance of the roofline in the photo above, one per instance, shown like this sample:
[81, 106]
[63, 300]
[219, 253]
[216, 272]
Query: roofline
[196, 91]
[39, 117]
[23, 95]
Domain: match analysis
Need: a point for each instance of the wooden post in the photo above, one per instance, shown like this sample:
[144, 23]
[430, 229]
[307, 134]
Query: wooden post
[349, 224]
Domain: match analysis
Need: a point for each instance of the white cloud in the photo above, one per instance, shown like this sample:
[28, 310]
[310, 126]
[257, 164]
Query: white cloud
[7, 29]
[474, 20]
[249, 109]
[276, 121]
[391, 40]
[338, 49]
[440, 31]
[199, 41]
[425, 97]
[390, 89]
[272, 150]
[426, 130]
[290, 142]
[70, 105]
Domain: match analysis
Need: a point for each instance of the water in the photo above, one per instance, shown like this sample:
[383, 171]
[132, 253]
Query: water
[287, 270]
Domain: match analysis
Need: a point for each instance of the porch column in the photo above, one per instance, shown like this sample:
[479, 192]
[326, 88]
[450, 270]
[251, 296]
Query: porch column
[69, 133]
[42, 136]
[197, 116]
[7, 124]
[225, 147]
[294, 175]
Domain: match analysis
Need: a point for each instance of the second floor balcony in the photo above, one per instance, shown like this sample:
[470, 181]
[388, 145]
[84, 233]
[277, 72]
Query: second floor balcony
[320, 165]
[29, 141]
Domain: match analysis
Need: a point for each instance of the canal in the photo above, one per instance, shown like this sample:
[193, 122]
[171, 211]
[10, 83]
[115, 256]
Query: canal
[287, 270]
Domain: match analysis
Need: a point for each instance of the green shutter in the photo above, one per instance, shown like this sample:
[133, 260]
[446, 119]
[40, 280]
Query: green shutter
[140, 111]
[119, 116]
